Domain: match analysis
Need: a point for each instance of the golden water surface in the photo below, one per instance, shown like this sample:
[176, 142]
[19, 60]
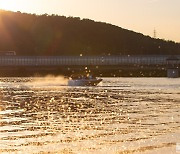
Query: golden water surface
[121, 115]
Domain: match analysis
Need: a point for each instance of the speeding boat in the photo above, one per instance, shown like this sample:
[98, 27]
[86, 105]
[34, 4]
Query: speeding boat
[84, 81]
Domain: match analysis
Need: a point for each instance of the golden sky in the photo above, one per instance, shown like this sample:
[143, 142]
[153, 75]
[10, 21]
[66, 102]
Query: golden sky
[138, 15]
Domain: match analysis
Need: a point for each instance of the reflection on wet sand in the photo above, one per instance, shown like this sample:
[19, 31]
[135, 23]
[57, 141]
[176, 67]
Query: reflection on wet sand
[61, 119]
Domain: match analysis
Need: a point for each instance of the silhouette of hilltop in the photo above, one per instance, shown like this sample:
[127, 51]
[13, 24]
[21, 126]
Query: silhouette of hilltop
[31, 34]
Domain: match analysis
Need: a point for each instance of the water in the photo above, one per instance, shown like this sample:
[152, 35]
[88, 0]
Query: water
[121, 115]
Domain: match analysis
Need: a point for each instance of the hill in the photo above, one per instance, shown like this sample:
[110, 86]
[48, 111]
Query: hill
[30, 34]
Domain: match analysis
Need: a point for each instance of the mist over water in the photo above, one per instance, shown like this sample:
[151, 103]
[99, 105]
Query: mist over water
[48, 80]
[121, 115]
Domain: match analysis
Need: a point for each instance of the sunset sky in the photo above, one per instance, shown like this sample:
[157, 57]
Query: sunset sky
[138, 15]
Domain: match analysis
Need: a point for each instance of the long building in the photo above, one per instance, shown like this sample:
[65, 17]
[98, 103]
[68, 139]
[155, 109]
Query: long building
[125, 65]
[86, 60]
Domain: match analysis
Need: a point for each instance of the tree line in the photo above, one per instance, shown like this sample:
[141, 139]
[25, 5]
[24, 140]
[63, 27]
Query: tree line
[51, 35]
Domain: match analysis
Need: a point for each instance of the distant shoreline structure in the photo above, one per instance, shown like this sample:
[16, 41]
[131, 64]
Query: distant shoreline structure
[7, 53]
[152, 65]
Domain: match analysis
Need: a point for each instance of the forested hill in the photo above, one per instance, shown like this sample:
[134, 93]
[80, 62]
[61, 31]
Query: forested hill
[30, 34]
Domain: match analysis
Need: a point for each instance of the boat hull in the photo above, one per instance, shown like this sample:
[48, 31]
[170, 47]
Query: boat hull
[84, 82]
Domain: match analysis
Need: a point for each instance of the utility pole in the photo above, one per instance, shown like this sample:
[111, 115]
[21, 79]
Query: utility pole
[155, 33]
